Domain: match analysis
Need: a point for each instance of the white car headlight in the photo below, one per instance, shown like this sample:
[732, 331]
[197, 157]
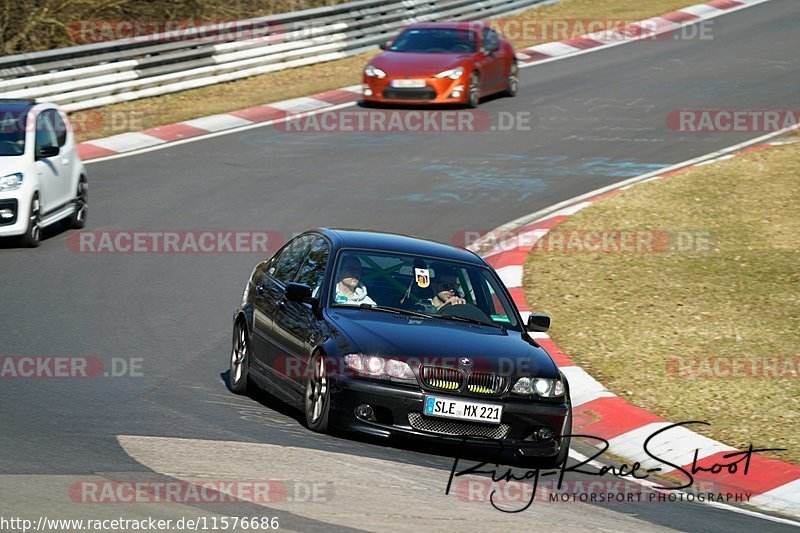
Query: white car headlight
[544, 387]
[374, 72]
[379, 367]
[453, 73]
[11, 182]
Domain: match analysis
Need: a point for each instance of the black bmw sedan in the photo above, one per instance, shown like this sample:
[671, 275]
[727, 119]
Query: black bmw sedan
[386, 335]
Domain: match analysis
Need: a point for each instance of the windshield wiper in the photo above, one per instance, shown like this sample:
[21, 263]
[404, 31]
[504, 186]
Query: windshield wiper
[395, 310]
[470, 320]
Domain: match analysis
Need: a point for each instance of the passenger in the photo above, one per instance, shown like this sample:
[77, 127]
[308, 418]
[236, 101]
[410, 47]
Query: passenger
[349, 289]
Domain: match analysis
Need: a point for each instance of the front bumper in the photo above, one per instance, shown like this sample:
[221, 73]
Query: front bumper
[436, 91]
[17, 223]
[398, 411]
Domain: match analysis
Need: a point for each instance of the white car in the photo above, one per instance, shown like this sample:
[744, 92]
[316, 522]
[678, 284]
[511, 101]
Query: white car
[42, 179]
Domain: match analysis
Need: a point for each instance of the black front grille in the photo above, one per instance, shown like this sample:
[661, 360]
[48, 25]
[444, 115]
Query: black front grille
[486, 383]
[425, 93]
[12, 205]
[456, 427]
[438, 377]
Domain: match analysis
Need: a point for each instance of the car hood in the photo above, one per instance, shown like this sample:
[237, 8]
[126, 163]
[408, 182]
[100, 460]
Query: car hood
[11, 164]
[440, 342]
[411, 64]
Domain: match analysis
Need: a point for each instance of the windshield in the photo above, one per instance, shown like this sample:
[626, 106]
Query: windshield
[421, 285]
[435, 40]
[12, 132]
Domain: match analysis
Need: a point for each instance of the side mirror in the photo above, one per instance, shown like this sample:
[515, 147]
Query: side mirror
[385, 45]
[47, 151]
[298, 292]
[538, 323]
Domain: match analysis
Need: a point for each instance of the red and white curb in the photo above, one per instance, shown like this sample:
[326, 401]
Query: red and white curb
[161, 136]
[773, 485]
[647, 29]
[204, 126]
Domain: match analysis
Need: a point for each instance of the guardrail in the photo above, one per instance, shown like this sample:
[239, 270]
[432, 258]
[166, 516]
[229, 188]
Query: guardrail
[98, 74]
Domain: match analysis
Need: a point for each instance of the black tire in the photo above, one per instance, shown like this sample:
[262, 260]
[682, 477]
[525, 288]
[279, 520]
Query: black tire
[474, 91]
[239, 374]
[78, 218]
[513, 80]
[33, 232]
[317, 395]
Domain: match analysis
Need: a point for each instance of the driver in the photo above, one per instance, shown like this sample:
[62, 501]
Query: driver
[349, 289]
[445, 287]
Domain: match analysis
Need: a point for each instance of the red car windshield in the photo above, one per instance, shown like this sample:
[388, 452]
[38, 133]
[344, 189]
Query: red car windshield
[436, 40]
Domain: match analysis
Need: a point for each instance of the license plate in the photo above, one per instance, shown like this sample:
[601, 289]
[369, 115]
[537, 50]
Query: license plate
[461, 410]
[408, 84]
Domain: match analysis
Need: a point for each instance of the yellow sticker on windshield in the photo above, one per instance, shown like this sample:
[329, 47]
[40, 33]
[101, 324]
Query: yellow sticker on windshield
[423, 277]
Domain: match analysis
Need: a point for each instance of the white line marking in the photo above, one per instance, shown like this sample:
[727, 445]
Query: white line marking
[548, 212]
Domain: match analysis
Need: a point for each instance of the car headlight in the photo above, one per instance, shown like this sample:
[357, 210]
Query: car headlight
[379, 367]
[544, 387]
[374, 72]
[453, 73]
[11, 182]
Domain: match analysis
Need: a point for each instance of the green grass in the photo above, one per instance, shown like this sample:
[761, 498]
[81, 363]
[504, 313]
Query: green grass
[623, 316]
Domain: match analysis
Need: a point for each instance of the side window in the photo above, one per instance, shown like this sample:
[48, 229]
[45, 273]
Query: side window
[490, 40]
[45, 131]
[313, 269]
[60, 128]
[285, 265]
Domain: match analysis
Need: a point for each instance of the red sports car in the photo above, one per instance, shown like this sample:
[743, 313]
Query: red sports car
[442, 63]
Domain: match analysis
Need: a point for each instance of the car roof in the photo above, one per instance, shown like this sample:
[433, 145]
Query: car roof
[474, 25]
[395, 242]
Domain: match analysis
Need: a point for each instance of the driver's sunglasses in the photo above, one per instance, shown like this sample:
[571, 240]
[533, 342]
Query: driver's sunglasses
[449, 285]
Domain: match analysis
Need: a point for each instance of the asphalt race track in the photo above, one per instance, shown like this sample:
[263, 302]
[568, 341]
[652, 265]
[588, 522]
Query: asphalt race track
[595, 119]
